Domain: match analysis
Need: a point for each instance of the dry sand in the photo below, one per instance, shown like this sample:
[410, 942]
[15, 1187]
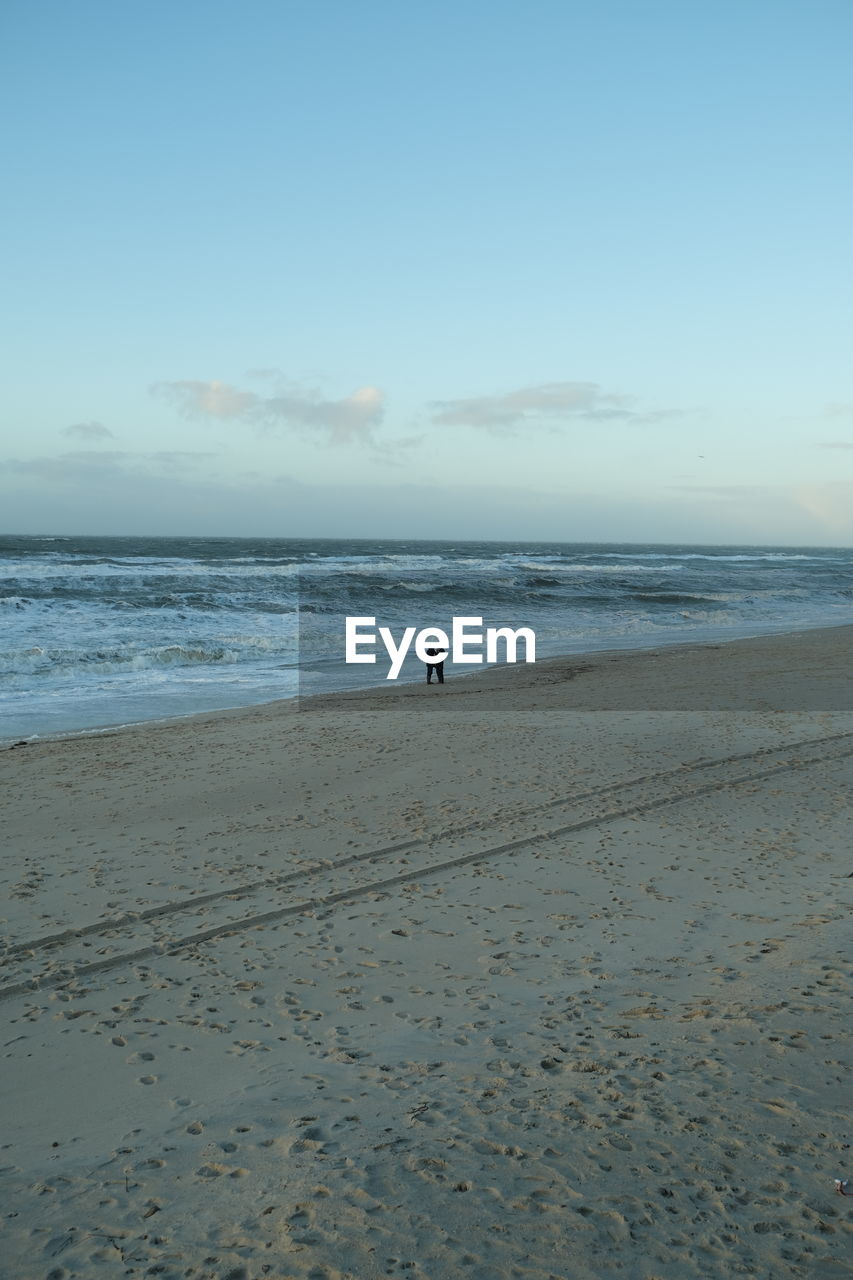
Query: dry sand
[542, 973]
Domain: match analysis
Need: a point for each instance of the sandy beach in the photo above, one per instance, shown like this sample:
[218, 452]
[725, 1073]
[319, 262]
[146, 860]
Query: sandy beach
[543, 973]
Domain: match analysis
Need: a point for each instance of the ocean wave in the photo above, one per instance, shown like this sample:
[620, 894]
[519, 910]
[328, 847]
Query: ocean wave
[57, 663]
[678, 597]
[140, 570]
[375, 563]
[734, 559]
[683, 554]
[575, 567]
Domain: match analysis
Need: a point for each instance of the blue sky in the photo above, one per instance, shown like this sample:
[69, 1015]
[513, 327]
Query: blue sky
[546, 270]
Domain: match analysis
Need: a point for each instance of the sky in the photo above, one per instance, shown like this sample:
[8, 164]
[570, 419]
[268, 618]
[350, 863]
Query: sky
[549, 269]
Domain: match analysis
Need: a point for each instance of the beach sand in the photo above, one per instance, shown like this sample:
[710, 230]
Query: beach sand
[540, 973]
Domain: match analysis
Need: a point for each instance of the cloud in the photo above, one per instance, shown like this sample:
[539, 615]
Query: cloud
[88, 431]
[549, 402]
[775, 513]
[831, 505]
[282, 507]
[69, 467]
[207, 399]
[352, 418]
[117, 492]
[170, 460]
[723, 492]
[394, 453]
[84, 466]
[345, 421]
[835, 444]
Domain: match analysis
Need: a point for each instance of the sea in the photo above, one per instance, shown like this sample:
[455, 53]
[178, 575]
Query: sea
[102, 631]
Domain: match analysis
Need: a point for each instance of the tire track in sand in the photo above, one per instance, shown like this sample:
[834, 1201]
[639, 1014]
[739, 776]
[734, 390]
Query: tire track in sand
[639, 795]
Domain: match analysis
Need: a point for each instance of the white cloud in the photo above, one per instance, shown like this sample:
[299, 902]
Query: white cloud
[88, 431]
[207, 399]
[351, 419]
[545, 404]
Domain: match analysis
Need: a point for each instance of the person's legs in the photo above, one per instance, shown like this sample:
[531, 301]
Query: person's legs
[429, 668]
[439, 671]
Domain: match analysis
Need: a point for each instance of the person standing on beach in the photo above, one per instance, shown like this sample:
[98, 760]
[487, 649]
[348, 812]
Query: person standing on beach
[437, 667]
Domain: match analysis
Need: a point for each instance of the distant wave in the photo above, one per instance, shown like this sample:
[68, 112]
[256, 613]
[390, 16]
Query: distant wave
[574, 567]
[711, 555]
[56, 662]
[112, 659]
[675, 598]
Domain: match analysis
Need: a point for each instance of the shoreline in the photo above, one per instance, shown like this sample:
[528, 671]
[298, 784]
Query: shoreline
[610, 679]
[630, 679]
